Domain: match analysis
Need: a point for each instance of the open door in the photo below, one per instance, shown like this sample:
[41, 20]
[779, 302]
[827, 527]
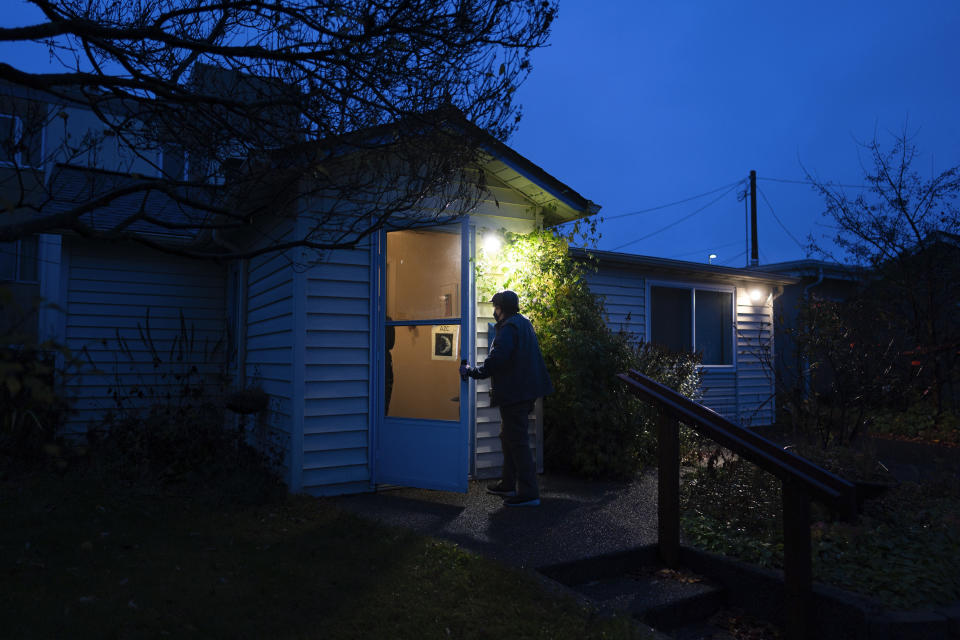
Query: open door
[422, 436]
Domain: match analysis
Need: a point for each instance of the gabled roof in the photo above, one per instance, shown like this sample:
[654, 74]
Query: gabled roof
[682, 268]
[562, 203]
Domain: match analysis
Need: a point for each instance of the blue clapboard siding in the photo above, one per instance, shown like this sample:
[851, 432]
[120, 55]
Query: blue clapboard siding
[269, 343]
[110, 288]
[623, 297]
[743, 393]
[336, 419]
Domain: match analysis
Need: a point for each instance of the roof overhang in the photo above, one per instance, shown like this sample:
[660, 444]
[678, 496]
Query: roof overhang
[558, 202]
[684, 269]
[814, 269]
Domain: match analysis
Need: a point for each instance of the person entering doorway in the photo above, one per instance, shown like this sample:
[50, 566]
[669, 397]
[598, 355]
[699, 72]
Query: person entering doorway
[519, 377]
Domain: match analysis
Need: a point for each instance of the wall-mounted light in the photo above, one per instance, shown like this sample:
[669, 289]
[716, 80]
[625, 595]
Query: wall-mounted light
[756, 295]
[491, 242]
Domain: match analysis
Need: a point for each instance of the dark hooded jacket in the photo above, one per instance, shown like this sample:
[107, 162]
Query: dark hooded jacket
[515, 364]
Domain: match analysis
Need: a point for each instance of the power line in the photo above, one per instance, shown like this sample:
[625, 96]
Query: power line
[689, 215]
[815, 184]
[671, 204]
[779, 221]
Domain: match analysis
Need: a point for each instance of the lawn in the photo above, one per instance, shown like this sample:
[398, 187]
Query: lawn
[903, 549]
[80, 558]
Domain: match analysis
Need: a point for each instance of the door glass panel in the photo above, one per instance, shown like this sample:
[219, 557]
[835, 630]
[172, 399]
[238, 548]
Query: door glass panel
[422, 360]
[422, 377]
[423, 275]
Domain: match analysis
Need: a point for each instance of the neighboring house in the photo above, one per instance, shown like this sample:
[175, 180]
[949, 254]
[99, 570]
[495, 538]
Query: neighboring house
[827, 280]
[723, 313]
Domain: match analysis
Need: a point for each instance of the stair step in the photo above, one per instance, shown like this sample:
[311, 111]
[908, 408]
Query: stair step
[663, 599]
[685, 610]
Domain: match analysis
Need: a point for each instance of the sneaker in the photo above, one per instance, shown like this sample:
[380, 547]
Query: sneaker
[522, 502]
[500, 489]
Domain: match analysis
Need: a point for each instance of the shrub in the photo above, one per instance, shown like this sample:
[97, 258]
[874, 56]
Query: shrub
[32, 410]
[169, 423]
[848, 372]
[593, 425]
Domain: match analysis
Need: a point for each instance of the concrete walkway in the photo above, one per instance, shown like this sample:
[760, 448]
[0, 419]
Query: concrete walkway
[576, 519]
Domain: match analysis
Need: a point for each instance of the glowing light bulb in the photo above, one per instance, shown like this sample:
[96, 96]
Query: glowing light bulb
[491, 243]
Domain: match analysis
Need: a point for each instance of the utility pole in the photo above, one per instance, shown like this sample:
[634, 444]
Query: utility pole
[754, 250]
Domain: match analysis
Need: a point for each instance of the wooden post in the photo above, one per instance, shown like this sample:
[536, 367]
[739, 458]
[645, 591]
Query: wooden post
[797, 568]
[754, 249]
[668, 489]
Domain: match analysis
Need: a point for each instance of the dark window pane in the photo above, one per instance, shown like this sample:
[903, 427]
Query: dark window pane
[670, 317]
[714, 326]
[8, 138]
[8, 260]
[28, 259]
[173, 163]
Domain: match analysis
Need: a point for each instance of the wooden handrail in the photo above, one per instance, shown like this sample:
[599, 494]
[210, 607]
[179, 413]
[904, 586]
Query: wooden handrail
[801, 479]
[834, 491]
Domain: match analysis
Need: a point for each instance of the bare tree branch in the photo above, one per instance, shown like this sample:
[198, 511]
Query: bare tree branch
[232, 112]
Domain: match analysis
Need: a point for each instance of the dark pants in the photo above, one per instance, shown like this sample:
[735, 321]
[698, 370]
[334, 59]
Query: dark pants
[519, 470]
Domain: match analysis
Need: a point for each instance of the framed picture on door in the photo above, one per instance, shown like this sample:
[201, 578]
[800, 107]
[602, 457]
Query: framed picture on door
[445, 342]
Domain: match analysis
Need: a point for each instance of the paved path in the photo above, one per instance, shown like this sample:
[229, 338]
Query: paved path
[576, 519]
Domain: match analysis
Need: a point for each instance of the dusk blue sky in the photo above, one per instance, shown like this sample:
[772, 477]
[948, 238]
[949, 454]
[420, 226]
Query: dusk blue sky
[638, 104]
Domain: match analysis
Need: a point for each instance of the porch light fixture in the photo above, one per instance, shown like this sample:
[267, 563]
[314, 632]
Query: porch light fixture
[756, 295]
[491, 242]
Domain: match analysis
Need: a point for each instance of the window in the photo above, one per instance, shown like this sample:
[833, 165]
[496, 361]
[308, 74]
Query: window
[18, 146]
[18, 260]
[692, 319]
[10, 132]
[173, 163]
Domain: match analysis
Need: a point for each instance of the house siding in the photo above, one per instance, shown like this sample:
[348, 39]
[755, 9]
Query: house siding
[755, 376]
[269, 340]
[624, 296]
[337, 356]
[110, 289]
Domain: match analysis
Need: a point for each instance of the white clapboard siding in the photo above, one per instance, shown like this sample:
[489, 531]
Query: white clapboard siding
[110, 290]
[755, 377]
[336, 422]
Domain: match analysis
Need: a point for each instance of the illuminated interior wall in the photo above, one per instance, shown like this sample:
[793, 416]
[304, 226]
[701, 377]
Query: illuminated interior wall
[423, 387]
